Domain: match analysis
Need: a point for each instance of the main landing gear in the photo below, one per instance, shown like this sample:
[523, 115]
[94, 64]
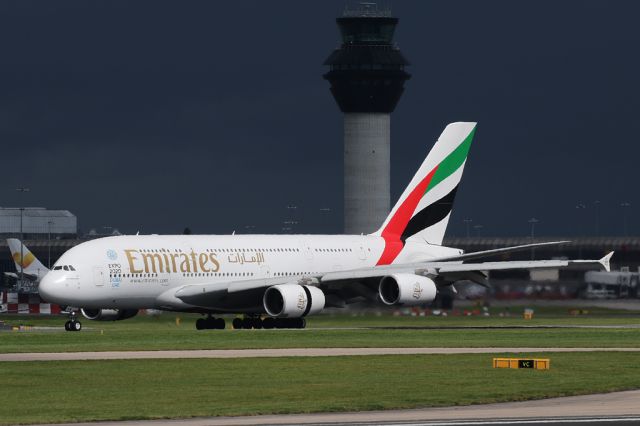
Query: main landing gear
[268, 323]
[210, 323]
[73, 324]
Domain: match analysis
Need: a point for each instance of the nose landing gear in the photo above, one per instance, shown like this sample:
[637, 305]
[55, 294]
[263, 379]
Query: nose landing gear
[73, 324]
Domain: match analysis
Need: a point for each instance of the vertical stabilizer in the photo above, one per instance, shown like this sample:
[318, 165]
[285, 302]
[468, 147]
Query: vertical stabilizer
[22, 255]
[425, 206]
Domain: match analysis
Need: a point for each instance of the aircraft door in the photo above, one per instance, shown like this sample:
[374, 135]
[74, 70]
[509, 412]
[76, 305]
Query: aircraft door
[265, 272]
[306, 249]
[362, 253]
[98, 276]
[166, 278]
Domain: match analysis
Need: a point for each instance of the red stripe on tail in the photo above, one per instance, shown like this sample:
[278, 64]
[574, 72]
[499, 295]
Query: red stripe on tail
[392, 232]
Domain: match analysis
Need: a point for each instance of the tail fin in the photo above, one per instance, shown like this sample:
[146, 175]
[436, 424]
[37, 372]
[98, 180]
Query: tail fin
[30, 264]
[424, 208]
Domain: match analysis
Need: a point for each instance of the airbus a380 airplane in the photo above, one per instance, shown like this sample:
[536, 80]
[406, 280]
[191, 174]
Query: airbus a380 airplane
[286, 276]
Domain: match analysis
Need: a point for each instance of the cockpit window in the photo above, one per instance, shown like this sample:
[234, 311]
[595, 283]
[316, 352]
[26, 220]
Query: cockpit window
[65, 267]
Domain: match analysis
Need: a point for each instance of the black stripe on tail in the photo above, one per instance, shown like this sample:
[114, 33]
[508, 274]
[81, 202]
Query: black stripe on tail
[430, 215]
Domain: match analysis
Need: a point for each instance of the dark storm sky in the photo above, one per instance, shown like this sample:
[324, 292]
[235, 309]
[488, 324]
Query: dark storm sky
[157, 115]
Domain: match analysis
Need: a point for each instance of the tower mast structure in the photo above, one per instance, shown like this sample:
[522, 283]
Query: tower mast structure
[367, 75]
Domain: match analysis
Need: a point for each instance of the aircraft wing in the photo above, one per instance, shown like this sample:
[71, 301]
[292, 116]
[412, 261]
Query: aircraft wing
[206, 295]
[493, 252]
[443, 269]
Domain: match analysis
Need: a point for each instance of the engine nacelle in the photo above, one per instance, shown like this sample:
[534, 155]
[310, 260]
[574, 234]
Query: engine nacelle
[108, 314]
[407, 289]
[293, 300]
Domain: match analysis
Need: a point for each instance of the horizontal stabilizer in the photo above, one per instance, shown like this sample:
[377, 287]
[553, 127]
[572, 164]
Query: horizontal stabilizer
[605, 262]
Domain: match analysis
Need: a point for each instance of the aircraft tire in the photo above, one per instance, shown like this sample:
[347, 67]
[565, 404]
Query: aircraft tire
[210, 323]
[268, 323]
[76, 325]
[257, 323]
[200, 324]
[220, 324]
[237, 323]
[67, 326]
[247, 323]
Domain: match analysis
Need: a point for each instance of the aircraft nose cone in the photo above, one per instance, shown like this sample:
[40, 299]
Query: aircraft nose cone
[46, 288]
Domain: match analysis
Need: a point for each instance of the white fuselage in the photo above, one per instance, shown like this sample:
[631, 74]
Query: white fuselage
[135, 272]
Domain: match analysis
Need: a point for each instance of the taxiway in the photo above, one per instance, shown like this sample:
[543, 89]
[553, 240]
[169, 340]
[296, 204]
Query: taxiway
[618, 408]
[288, 352]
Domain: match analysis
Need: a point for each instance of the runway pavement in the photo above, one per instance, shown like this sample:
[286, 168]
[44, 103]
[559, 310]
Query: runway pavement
[499, 327]
[619, 408]
[289, 352]
[61, 329]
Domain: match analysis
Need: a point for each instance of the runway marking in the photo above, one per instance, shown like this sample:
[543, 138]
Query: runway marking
[608, 408]
[289, 352]
[554, 420]
[498, 327]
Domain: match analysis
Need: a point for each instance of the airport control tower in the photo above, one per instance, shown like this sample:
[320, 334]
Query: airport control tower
[367, 79]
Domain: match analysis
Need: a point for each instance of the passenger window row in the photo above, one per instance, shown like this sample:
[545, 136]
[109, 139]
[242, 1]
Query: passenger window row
[243, 250]
[224, 250]
[132, 275]
[288, 274]
[212, 274]
[219, 274]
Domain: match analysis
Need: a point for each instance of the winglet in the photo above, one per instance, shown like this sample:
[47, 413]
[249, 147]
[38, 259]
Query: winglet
[606, 262]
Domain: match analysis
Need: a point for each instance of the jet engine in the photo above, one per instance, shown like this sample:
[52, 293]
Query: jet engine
[406, 289]
[108, 314]
[293, 300]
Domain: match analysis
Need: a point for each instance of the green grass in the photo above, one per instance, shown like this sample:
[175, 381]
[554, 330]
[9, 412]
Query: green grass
[115, 390]
[158, 333]
[542, 317]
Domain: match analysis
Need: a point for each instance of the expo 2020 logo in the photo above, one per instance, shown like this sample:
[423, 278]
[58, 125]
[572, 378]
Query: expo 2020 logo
[111, 254]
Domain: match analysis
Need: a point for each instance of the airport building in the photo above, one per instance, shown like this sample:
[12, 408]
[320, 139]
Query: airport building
[37, 223]
[367, 75]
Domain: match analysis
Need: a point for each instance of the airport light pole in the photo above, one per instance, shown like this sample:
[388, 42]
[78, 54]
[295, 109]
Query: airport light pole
[290, 222]
[49, 223]
[23, 190]
[625, 206]
[533, 222]
[325, 213]
[467, 222]
[581, 206]
[596, 204]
